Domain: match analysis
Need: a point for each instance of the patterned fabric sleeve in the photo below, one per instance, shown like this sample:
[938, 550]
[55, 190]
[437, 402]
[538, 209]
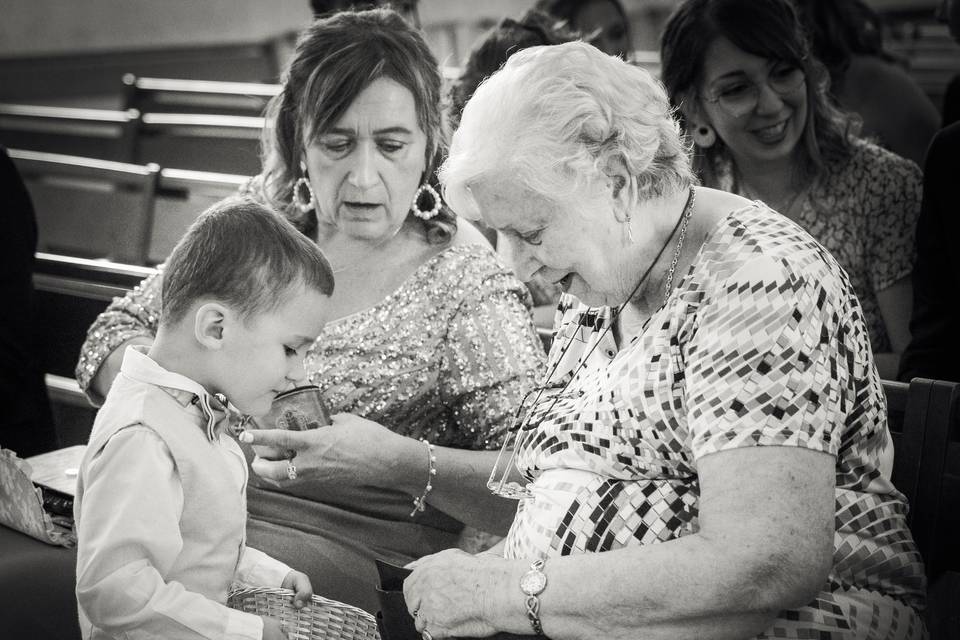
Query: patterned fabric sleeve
[766, 364]
[136, 314]
[894, 186]
[493, 358]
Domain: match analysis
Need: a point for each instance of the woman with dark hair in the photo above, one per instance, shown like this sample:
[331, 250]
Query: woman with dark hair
[846, 36]
[754, 101]
[429, 347]
[602, 23]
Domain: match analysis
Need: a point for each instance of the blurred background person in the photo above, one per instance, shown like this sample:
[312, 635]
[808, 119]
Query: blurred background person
[26, 423]
[934, 350]
[602, 23]
[754, 102]
[948, 11]
[847, 37]
[406, 8]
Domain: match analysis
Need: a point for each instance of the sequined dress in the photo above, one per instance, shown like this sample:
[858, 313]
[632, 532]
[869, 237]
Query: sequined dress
[762, 343]
[447, 356]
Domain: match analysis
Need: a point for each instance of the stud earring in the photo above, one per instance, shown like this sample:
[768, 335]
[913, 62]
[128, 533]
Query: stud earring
[704, 136]
[425, 214]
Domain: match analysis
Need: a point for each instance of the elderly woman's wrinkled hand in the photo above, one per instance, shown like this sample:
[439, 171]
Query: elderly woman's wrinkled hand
[351, 450]
[455, 594]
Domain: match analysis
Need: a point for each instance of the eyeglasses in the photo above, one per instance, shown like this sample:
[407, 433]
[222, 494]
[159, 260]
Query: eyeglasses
[516, 437]
[740, 97]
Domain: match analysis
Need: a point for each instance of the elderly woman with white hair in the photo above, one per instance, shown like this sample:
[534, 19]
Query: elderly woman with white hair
[709, 454]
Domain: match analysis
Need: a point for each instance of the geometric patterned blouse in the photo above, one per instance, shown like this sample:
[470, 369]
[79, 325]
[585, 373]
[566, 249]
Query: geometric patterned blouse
[864, 210]
[762, 343]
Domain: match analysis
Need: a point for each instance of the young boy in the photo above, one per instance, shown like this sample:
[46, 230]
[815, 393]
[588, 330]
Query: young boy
[160, 508]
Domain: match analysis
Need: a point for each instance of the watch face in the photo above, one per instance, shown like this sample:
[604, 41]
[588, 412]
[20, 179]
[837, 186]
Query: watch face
[533, 582]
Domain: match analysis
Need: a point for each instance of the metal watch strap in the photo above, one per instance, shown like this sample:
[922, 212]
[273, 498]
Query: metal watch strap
[533, 594]
[533, 614]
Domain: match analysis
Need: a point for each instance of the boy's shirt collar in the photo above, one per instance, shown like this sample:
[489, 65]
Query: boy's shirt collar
[213, 407]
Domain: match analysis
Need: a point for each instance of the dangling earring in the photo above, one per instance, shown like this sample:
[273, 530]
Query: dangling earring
[629, 229]
[304, 204]
[429, 213]
[704, 136]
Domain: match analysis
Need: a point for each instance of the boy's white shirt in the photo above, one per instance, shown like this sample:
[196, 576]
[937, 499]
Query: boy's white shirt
[119, 585]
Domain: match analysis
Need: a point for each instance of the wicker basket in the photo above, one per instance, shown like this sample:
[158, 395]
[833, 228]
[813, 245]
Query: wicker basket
[325, 619]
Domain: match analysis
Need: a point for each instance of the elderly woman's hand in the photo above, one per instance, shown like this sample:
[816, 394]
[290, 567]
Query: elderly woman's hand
[351, 450]
[455, 594]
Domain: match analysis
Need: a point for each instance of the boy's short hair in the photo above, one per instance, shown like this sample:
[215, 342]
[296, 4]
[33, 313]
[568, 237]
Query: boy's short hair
[242, 254]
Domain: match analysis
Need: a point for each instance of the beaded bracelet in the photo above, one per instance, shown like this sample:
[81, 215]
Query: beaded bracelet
[420, 504]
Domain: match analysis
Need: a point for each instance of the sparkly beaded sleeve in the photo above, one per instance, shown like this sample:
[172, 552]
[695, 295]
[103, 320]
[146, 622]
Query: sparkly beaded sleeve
[493, 357]
[134, 315]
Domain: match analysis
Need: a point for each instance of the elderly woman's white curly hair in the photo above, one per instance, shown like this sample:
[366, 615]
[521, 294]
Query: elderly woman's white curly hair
[556, 118]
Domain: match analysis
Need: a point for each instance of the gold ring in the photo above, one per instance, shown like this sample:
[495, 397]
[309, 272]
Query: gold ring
[291, 471]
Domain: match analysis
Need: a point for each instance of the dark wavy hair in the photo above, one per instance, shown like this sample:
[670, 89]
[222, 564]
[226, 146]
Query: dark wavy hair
[336, 58]
[766, 28]
[534, 29]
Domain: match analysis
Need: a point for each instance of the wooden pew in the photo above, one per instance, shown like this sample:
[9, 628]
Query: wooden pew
[924, 419]
[93, 133]
[70, 293]
[90, 208]
[173, 95]
[181, 196]
[202, 142]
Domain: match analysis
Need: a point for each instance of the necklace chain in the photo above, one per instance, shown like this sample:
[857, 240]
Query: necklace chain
[687, 214]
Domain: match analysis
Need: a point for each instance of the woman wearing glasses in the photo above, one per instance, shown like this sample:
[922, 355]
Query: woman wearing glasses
[709, 456]
[755, 104]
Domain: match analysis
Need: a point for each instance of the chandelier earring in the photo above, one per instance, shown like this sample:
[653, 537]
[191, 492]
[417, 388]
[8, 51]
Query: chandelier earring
[704, 136]
[426, 192]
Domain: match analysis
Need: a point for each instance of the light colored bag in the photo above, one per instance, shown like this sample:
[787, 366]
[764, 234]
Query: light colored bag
[21, 504]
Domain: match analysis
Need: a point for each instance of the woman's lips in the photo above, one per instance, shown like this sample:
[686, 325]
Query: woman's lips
[773, 133]
[362, 209]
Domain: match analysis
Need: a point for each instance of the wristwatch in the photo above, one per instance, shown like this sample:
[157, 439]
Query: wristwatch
[532, 583]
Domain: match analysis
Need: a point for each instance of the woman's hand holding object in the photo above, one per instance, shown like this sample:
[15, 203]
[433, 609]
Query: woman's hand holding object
[351, 450]
[455, 594]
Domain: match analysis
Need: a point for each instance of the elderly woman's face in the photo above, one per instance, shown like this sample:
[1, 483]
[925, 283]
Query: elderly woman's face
[366, 168]
[757, 106]
[574, 246]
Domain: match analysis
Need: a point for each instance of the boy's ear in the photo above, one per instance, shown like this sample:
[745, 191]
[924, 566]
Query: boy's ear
[209, 321]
